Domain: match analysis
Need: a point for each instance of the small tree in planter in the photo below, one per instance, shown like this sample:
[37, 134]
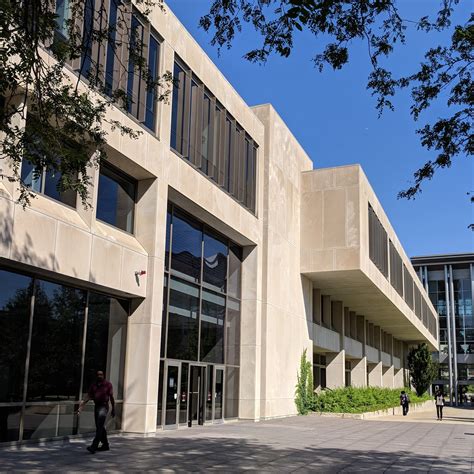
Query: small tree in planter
[422, 368]
[304, 396]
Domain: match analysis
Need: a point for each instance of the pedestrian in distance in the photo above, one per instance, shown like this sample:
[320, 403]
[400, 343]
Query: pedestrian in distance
[439, 400]
[404, 402]
[101, 392]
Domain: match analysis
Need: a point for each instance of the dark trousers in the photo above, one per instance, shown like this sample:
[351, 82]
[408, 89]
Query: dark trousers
[100, 415]
[405, 409]
[439, 411]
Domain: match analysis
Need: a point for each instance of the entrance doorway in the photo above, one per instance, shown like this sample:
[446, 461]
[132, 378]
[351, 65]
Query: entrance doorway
[191, 394]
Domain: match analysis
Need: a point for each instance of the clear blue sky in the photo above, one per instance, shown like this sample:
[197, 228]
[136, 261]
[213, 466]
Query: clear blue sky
[333, 117]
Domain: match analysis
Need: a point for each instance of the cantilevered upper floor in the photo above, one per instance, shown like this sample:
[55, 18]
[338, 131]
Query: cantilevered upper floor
[350, 251]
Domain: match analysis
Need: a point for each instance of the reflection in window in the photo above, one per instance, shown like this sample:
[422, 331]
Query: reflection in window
[55, 366]
[232, 326]
[106, 341]
[15, 303]
[47, 182]
[183, 324]
[116, 198]
[150, 113]
[215, 262]
[111, 48]
[186, 247]
[56, 344]
[212, 327]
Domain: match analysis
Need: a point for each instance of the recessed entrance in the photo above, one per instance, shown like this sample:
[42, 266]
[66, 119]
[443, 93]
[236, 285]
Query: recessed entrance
[193, 394]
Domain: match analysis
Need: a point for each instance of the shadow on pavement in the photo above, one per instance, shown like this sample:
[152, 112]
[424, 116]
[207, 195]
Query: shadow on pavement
[220, 454]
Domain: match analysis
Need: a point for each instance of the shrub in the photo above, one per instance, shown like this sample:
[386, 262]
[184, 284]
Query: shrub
[360, 400]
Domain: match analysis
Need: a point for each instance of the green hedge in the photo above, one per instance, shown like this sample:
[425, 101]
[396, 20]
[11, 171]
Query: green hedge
[361, 400]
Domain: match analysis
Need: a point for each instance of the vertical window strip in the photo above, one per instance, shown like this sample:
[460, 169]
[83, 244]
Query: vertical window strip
[205, 134]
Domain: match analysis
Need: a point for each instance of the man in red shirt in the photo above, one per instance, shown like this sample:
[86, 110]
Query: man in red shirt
[101, 392]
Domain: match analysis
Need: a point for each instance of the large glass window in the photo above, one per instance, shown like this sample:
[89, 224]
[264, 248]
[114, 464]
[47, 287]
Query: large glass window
[201, 316]
[212, 327]
[15, 307]
[183, 322]
[215, 262]
[116, 198]
[56, 343]
[186, 247]
[106, 341]
[211, 139]
[53, 357]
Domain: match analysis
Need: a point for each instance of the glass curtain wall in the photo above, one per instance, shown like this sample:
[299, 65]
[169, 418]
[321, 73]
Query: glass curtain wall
[54, 339]
[201, 310]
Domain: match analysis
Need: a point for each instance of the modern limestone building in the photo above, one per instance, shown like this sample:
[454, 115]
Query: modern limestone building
[449, 281]
[212, 256]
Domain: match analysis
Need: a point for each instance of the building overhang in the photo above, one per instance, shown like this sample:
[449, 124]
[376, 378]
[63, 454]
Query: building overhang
[358, 292]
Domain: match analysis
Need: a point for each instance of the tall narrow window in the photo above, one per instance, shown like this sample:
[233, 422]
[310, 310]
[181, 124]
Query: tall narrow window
[111, 47]
[87, 40]
[178, 106]
[134, 71]
[206, 149]
[150, 114]
[62, 17]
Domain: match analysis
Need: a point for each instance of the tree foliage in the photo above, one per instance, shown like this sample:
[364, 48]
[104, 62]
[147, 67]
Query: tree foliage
[68, 124]
[444, 74]
[304, 395]
[423, 370]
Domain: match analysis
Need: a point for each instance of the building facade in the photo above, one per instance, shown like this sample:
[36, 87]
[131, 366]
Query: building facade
[449, 281]
[212, 255]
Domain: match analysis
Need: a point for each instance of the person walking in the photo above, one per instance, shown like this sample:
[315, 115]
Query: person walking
[439, 400]
[404, 402]
[101, 392]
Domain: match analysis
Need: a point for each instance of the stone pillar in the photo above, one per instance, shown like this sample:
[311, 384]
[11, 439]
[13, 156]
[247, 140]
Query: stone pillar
[251, 330]
[338, 320]
[398, 378]
[388, 377]
[144, 323]
[359, 372]
[375, 375]
[335, 369]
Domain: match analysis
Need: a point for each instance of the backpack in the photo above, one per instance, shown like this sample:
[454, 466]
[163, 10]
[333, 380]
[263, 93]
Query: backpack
[403, 399]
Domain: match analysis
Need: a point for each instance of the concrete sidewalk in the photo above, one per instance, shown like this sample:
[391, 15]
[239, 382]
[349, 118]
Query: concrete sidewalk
[296, 444]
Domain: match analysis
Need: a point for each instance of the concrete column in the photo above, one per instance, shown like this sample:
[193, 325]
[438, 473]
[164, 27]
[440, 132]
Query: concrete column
[326, 311]
[252, 320]
[338, 320]
[335, 369]
[144, 323]
[375, 375]
[359, 372]
[316, 306]
[347, 322]
[353, 322]
[387, 377]
[360, 328]
[398, 378]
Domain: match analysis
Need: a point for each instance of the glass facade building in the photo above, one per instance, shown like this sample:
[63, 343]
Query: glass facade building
[449, 281]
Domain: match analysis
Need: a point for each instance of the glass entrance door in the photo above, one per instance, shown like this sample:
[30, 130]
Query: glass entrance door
[172, 395]
[196, 398]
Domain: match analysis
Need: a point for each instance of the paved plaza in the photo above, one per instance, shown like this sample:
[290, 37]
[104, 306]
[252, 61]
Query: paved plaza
[297, 444]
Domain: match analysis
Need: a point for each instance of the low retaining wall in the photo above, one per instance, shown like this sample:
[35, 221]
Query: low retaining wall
[414, 407]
